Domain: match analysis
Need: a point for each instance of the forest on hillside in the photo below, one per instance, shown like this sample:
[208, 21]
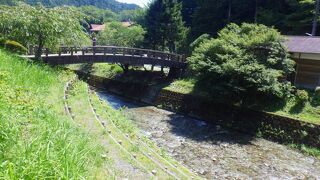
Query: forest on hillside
[209, 16]
[102, 4]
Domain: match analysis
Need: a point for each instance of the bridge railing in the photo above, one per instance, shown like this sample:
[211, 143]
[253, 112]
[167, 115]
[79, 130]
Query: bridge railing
[111, 50]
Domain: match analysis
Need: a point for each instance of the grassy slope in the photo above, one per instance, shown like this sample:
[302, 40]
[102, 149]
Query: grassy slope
[37, 140]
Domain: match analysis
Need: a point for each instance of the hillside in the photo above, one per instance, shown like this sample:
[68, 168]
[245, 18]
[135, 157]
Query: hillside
[103, 4]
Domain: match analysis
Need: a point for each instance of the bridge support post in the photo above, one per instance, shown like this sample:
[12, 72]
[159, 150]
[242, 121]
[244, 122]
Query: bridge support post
[174, 72]
[162, 69]
[152, 67]
[126, 68]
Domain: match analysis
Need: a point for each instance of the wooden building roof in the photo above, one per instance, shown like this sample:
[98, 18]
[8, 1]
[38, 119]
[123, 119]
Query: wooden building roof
[303, 44]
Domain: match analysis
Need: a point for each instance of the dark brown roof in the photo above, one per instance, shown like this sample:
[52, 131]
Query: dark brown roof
[303, 44]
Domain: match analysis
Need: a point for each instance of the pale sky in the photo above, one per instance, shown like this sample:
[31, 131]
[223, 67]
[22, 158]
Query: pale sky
[139, 2]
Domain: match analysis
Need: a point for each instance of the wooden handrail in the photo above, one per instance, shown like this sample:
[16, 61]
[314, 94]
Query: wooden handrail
[115, 50]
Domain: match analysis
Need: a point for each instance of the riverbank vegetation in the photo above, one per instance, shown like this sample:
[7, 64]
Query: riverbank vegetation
[37, 139]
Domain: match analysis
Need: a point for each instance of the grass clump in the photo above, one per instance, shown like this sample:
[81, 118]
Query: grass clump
[37, 140]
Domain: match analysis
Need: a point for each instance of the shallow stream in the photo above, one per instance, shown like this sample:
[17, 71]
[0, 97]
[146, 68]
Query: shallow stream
[215, 152]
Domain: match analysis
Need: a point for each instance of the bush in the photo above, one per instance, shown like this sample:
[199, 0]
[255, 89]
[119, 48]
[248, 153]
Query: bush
[302, 96]
[244, 61]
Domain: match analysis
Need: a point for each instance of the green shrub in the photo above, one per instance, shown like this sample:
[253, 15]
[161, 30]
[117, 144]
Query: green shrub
[302, 96]
[244, 61]
[15, 47]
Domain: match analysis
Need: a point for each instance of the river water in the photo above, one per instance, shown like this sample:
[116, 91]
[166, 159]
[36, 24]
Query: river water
[214, 152]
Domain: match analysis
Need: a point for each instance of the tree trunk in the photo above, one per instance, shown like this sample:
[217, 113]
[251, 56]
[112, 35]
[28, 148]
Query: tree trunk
[229, 11]
[38, 52]
[124, 67]
[172, 47]
[256, 12]
[315, 19]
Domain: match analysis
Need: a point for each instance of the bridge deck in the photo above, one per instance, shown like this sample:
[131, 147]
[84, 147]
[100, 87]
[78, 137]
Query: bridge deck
[110, 54]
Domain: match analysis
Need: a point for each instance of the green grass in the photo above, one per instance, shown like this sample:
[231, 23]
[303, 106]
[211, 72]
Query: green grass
[307, 150]
[308, 112]
[37, 139]
[184, 86]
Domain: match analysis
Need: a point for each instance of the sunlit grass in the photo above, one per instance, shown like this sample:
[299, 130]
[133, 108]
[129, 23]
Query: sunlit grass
[37, 140]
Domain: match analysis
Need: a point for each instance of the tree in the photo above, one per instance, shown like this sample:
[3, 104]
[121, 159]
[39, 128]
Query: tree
[41, 26]
[133, 15]
[164, 25]
[244, 61]
[316, 18]
[116, 34]
[96, 15]
[102, 4]
[212, 15]
[188, 9]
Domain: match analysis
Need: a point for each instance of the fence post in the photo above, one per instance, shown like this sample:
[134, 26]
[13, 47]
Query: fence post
[71, 50]
[47, 52]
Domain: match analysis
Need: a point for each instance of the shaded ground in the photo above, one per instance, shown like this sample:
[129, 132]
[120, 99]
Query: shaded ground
[215, 152]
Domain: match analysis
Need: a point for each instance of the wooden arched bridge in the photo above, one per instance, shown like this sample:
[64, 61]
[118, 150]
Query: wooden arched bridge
[112, 54]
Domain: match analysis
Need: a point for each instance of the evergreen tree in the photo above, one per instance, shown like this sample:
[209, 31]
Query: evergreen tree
[188, 9]
[153, 24]
[164, 24]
